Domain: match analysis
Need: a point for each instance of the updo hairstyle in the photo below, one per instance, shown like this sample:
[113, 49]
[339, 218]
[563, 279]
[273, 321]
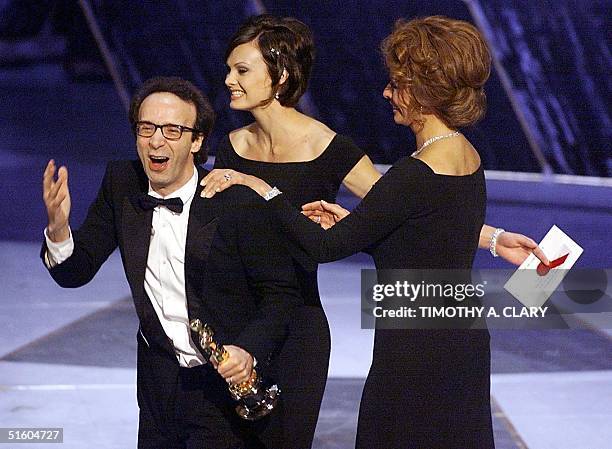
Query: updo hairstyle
[441, 65]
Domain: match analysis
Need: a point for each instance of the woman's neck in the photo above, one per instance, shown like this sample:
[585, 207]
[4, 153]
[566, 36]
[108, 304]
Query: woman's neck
[433, 127]
[277, 127]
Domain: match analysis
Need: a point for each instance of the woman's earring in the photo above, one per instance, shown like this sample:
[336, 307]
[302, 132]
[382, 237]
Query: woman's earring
[276, 95]
[420, 120]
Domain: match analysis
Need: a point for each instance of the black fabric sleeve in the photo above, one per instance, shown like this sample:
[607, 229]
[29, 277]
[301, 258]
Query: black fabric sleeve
[94, 241]
[345, 156]
[390, 202]
[271, 276]
[223, 153]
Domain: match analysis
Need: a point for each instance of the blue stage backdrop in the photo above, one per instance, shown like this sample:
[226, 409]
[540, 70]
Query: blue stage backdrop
[549, 95]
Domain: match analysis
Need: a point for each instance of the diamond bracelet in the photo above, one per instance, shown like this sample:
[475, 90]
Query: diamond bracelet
[493, 242]
[272, 193]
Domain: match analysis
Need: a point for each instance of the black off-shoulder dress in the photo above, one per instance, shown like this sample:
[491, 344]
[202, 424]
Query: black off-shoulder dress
[426, 388]
[304, 360]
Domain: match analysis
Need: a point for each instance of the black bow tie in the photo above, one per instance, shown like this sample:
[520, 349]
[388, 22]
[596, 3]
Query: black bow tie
[148, 202]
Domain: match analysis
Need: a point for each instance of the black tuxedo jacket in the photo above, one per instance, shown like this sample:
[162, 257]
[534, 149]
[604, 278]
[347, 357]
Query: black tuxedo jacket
[239, 277]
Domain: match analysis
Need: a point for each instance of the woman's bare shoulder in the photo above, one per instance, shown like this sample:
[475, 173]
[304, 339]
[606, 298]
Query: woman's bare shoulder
[318, 137]
[452, 159]
[241, 137]
[321, 130]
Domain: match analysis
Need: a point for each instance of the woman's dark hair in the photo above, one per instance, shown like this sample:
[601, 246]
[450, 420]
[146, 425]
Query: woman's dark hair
[186, 91]
[285, 44]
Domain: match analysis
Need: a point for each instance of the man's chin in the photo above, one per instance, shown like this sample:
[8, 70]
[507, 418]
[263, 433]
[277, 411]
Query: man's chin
[157, 179]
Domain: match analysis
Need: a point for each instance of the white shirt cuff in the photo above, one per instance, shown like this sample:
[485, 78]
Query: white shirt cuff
[58, 252]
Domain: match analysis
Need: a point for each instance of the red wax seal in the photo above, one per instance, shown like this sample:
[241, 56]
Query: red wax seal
[543, 270]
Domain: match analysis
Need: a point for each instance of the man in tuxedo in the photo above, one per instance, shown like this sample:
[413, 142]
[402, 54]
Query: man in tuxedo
[184, 257]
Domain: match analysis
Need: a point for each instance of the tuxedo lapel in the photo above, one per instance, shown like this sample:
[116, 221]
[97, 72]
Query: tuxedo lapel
[136, 234]
[201, 231]
[136, 231]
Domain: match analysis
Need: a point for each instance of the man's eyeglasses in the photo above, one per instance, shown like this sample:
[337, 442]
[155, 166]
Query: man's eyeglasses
[170, 131]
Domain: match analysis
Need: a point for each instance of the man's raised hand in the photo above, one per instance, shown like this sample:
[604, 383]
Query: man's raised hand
[57, 201]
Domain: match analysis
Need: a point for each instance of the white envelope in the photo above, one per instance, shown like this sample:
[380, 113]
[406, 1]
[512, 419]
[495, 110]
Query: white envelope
[533, 283]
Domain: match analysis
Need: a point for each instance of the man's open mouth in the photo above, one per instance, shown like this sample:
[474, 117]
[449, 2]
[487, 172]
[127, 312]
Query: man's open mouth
[158, 162]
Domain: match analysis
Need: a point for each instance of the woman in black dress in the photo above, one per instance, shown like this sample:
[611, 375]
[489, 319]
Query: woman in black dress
[288, 148]
[269, 62]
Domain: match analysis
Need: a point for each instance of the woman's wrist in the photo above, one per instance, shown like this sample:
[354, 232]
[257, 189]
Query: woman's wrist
[258, 185]
[486, 232]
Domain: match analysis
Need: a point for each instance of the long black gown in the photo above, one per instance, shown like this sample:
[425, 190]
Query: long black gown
[304, 359]
[426, 388]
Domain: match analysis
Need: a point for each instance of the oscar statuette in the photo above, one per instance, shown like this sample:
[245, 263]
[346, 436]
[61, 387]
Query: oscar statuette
[254, 400]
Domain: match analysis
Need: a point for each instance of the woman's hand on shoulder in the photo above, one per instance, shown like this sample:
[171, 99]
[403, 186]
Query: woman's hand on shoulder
[220, 179]
[324, 213]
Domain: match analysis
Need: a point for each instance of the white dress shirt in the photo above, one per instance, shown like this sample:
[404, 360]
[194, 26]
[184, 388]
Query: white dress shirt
[164, 279]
